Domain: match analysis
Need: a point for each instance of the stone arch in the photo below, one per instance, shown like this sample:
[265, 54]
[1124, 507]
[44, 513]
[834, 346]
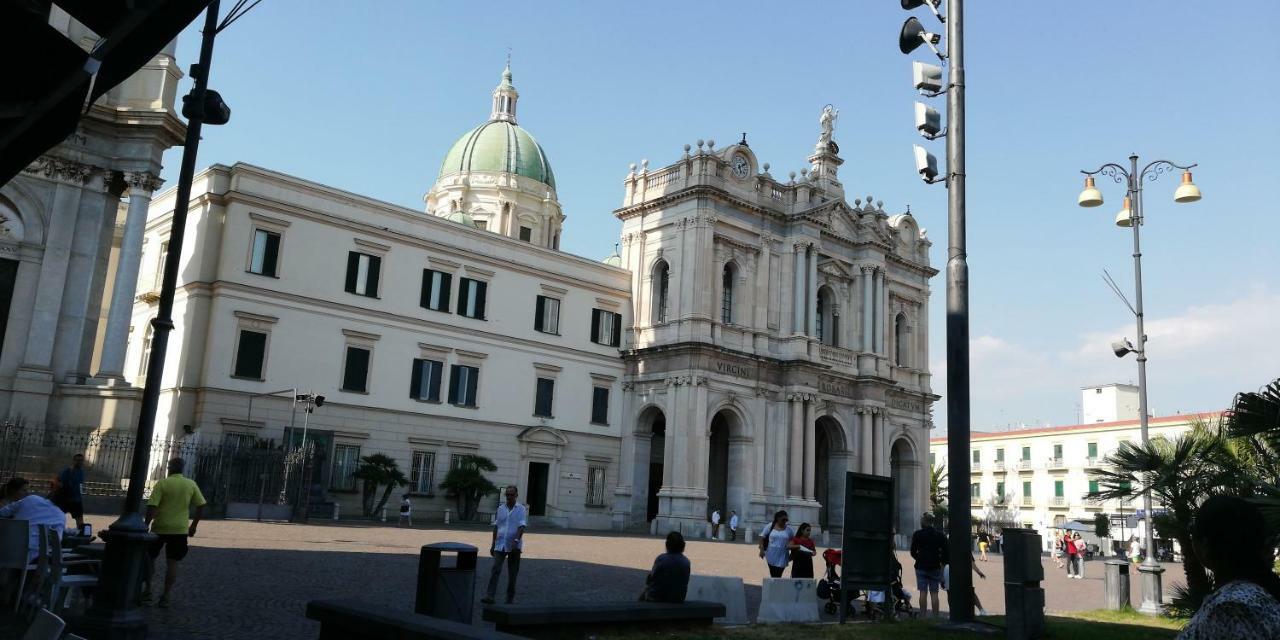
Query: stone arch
[905, 467]
[831, 460]
[728, 460]
[28, 209]
[649, 462]
[728, 303]
[660, 288]
[902, 340]
[828, 316]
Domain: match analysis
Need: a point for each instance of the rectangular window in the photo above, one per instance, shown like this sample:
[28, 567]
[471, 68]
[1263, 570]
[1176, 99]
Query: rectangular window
[1057, 452]
[463, 381]
[977, 456]
[1026, 454]
[355, 372]
[251, 352]
[526, 234]
[1057, 489]
[362, 274]
[1093, 486]
[421, 472]
[455, 461]
[424, 380]
[160, 262]
[546, 315]
[435, 290]
[542, 402]
[266, 253]
[975, 491]
[482, 225]
[471, 295]
[1093, 449]
[239, 441]
[600, 405]
[595, 487]
[346, 457]
[999, 455]
[1026, 489]
[1000, 491]
[606, 327]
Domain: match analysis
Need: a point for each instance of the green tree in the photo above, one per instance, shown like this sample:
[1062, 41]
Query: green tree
[1253, 423]
[938, 489]
[1181, 473]
[1101, 525]
[468, 485]
[377, 470]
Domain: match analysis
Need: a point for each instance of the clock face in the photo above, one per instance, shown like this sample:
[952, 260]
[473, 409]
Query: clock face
[740, 166]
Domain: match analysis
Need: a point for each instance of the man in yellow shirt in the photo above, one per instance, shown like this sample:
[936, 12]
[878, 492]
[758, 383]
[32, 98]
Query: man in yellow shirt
[168, 513]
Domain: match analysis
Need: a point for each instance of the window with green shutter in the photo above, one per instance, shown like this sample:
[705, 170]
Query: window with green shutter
[1026, 489]
[1093, 449]
[999, 455]
[1026, 454]
[1093, 486]
[977, 456]
[1057, 452]
[975, 490]
[1057, 489]
[1000, 491]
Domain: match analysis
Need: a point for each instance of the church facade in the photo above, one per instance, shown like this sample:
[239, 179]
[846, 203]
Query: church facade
[751, 340]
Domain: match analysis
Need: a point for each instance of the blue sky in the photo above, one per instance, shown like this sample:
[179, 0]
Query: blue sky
[368, 97]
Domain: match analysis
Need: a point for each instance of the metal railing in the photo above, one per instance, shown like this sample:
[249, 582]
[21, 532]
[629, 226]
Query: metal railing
[1057, 463]
[1058, 501]
[997, 466]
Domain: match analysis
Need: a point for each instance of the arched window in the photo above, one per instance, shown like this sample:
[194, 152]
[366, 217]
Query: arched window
[828, 318]
[726, 297]
[145, 360]
[822, 316]
[902, 341]
[661, 274]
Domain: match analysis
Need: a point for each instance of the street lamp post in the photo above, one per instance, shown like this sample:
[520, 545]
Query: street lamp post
[1131, 215]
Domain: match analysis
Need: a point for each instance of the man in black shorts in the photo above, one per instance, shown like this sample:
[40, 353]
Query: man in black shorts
[167, 514]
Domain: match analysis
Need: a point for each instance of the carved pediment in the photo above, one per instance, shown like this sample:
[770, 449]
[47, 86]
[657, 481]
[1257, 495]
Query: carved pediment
[834, 269]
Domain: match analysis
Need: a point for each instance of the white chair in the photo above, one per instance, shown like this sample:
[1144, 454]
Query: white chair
[46, 626]
[55, 584]
[15, 553]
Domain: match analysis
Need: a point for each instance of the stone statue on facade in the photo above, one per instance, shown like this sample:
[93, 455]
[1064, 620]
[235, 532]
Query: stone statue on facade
[828, 122]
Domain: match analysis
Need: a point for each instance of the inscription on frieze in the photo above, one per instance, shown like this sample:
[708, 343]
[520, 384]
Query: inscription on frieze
[906, 404]
[836, 387]
[732, 369]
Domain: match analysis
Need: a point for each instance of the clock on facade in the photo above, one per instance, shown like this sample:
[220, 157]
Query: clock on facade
[740, 166]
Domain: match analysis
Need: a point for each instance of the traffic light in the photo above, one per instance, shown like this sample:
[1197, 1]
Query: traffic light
[48, 81]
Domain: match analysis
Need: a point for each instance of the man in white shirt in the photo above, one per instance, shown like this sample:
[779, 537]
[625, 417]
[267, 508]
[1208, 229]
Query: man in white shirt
[715, 524]
[508, 541]
[36, 510]
[733, 525]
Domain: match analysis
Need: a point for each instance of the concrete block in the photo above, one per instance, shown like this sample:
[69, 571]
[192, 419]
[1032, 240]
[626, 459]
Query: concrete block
[727, 591]
[788, 600]
[653, 527]
[750, 534]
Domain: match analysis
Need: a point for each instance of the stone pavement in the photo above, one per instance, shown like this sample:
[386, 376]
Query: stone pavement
[252, 580]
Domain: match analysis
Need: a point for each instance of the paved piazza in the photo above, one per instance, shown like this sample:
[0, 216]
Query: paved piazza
[253, 580]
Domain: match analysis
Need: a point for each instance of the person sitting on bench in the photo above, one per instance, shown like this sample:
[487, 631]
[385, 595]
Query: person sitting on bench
[669, 579]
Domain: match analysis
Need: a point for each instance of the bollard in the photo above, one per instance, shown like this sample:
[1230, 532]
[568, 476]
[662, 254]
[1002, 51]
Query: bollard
[747, 526]
[384, 514]
[446, 516]
[336, 506]
[1115, 585]
[706, 533]
[653, 527]
[446, 592]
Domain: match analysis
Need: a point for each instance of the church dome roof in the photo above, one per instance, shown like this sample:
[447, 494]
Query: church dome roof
[499, 146]
[614, 260]
[461, 218]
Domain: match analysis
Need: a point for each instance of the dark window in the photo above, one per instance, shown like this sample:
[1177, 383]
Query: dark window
[726, 299]
[463, 381]
[546, 315]
[542, 403]
[471, 295]
[526, 234]
[250, 354]
[606, 327]
[424, 380]
[362, 274]
[661, 274]
[355, 376]
[600, 405]
[266, 253]
[435, 290]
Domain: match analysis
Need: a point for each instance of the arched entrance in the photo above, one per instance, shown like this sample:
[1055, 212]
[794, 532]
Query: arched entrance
[830, 463]
[726, 460]
[651, 432]
[905, 469]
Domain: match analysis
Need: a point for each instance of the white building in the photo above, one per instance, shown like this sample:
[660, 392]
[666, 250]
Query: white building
[753, 340]
[1038, 477]
[71, 227]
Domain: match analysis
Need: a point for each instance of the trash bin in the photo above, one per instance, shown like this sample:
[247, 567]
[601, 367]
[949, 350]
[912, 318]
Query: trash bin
[1115, 585]
[446, 592]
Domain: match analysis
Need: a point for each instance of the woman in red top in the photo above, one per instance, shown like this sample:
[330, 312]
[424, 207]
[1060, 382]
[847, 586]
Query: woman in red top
[802, 551]
[1069, 548]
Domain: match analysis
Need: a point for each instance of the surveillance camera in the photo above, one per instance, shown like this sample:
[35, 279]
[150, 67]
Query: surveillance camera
[926, 163]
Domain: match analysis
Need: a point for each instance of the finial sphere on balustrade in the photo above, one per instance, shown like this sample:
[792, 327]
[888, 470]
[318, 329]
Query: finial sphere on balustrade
[857, 202]
[700, 143]
[792, 175]
[879, 204]
[710, 143]
[766, 167]
[644, 164]
[633, 167]
[869, 200]
[686, 148]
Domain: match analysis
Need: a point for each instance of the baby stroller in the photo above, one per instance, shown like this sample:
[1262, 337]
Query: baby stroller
[901, 598]
[829, 585]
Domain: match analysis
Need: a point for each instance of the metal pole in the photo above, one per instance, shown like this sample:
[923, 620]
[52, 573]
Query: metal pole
[114, 613]
[1152, 597]
[960, 595]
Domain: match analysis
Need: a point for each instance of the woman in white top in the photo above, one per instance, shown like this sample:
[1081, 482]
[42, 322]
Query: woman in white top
[774, 540]
[1230, 538]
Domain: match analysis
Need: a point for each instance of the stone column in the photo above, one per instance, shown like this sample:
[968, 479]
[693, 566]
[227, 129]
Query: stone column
[795, 485]
[811, 306]
[797, 311]
[868, 309]
[760, 300]
[864, 418]
[120, 314]
[877, 437]
[810, 454]
[877, 331]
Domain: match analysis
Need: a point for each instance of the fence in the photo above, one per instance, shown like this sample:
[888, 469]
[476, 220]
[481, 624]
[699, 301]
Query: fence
[256, 471]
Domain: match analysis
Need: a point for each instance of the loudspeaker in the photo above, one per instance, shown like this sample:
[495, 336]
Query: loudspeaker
[910, 38]
[1121, 348]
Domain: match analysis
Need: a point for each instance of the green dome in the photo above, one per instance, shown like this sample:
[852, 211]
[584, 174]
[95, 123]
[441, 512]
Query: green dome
[499, 146]
[460, 218]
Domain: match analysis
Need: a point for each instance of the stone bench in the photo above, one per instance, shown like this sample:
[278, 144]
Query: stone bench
[536, 619]
[355, 620]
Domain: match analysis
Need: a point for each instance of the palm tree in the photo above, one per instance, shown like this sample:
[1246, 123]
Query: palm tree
[1254, 422]
[468, 485]
[1180, 473]
[376, 470]
[938, 489]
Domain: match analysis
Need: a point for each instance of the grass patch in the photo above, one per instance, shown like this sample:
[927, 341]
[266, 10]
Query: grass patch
[1086, 625]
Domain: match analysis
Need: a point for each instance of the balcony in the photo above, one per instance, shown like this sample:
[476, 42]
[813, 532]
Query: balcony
[1092, 463]
[975, 502]
[1057, 464]
[1058, 502]
[998, 466]
[1026, 501]
[975, 467]
[836, 355]
[1024, 466]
